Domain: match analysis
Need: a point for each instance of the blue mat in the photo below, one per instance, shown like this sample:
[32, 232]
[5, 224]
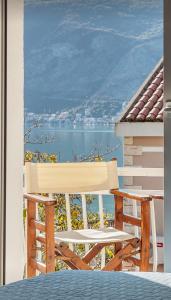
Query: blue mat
[84, 285]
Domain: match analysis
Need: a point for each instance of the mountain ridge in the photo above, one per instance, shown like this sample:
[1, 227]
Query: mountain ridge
[82, 51]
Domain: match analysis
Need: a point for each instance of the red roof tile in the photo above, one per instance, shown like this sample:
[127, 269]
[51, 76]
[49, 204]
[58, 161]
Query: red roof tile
[148, 105]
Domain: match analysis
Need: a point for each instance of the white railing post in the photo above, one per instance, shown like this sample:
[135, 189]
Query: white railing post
[68, 213]
[135, 214]
[101, 216]
[136, 231]
[85, 221]
[39, 253]
[154, 235]
[167, 135]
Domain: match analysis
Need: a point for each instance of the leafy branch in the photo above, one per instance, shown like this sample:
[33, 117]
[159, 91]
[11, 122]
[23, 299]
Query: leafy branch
[40, 139]
[97, 155]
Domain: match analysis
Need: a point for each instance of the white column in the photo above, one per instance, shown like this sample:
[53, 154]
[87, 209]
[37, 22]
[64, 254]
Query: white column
[15, 149]
[167, 135]
[2, 136]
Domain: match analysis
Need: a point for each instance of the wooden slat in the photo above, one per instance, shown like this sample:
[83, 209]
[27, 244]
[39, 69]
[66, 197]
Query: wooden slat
[115, 262]
[118, 212]
[63, 258]
[38, 198]
[31, 238]
[38, 225]
[74, 259]
[132, 220]
[145, 236]
[129, 195]
[67, 260]
[155, 194]
[118, 225]
[40, 239]
[38, 266]
[133, 260]
[49, 237]
[94, 251]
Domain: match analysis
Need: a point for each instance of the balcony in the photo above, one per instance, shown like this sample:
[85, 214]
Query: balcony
[91, 285]
[70, 215]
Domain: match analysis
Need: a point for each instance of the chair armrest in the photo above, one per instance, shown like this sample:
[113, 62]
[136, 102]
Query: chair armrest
[39, 199]
[131, 195]
[121, 217]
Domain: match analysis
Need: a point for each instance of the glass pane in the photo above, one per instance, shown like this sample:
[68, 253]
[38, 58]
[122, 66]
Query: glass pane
[94, 86]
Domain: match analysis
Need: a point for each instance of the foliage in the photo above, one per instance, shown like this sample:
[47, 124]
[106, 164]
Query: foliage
[29, 138]
[40, 157]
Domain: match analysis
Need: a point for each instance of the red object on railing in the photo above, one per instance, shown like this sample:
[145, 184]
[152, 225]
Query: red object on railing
[160, 245]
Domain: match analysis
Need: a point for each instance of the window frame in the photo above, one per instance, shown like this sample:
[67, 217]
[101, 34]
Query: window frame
[11, 141]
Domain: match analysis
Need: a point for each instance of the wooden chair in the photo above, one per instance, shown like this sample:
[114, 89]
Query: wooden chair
[73, 178]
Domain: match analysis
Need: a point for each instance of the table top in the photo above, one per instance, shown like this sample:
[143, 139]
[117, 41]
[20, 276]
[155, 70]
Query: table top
[87, 285]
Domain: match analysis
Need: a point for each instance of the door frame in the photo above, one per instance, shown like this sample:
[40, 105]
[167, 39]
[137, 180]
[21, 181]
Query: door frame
[3, 93]
[11, 141]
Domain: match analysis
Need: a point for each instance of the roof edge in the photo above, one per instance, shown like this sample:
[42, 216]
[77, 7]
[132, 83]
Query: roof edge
[139, 91]
[123, 129]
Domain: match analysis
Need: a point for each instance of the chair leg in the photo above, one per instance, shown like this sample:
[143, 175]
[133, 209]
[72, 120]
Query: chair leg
[118, 224]
[49, 237]
[127, 251]
[74, 259]
[94, 251]
[145, 236]
[31, 238]
[118, 248]
[67, 260]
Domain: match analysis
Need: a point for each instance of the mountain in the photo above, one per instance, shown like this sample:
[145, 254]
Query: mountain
[81, 51]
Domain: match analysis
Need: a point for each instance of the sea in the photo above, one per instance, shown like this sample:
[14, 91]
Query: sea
[78, 142]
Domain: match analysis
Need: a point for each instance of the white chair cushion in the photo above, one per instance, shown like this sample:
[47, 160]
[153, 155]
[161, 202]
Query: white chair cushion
[93, 236]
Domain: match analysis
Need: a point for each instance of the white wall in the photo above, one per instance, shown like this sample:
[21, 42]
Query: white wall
[2, 188]
[15, 109]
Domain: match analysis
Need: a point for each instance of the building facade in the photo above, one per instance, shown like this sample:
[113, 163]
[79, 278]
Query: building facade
[141, 127]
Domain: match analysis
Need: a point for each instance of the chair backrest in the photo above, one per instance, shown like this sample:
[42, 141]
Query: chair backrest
[70, 177]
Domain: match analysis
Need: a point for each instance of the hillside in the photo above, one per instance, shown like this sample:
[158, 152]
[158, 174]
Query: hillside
[81, 51]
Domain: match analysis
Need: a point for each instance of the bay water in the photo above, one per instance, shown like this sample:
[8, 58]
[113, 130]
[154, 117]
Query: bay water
[77, 142]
